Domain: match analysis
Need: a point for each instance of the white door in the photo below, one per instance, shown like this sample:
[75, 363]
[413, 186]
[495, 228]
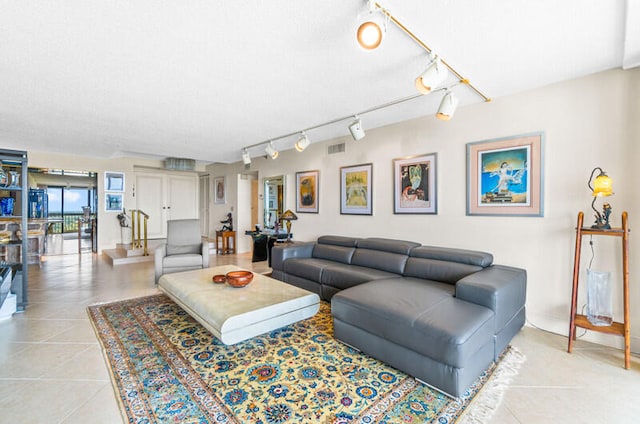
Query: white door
[165, 196]
[149, 194]
[182, 196]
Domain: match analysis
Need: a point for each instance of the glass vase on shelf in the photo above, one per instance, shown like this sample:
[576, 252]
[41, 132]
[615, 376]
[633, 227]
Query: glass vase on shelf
[599, 298]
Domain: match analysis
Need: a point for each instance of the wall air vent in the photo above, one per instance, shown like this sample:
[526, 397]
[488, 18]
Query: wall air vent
[179, 164]
[336, 148]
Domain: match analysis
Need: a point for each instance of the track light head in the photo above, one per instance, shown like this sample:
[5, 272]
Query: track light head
[271, 151]
[371, 30]
[448, 106]
[435, 74]
[246, 158]
[356, 130]
[302, 143]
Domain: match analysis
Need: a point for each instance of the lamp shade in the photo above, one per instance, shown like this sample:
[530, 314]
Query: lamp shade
[369, 35]
[448, 106]
[435, 74]
[246, 158]
[302, 143]
[602, 185]
[356, 130]
[271, 151]
[288, 215]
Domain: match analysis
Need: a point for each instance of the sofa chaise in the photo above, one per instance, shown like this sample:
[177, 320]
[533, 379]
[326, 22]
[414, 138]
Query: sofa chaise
[442, 315]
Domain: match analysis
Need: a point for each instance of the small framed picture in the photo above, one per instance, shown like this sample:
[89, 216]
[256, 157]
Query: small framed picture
[114, 181]
[414, 188]
[356, 191]
[307, 194]
[113, 202]
[219, 188]
[505, 176]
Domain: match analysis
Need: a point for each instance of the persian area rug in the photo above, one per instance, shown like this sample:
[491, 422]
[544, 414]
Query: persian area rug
[167, 368]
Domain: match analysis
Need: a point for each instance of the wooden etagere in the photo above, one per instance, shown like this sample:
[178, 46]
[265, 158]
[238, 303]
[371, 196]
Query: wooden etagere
[578, 320]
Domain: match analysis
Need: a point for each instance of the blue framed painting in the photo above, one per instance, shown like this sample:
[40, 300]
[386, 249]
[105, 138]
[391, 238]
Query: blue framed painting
[505, 176]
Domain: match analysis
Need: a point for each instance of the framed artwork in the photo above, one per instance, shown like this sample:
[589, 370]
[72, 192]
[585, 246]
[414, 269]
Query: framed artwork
[113, 202]
[414, 186]
[114, 181]
[220, 189]
[356, 194]
[307, 193]
[505, 176]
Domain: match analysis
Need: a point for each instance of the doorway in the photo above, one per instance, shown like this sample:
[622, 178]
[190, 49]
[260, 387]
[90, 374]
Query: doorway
[68, 201]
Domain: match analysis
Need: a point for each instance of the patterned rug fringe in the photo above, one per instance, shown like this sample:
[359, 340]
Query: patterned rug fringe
[487, 401]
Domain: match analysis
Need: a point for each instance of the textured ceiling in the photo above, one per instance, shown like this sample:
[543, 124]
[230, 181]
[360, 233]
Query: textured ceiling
[200, 80]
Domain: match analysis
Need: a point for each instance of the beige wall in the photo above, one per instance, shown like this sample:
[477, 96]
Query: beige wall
[588, 122]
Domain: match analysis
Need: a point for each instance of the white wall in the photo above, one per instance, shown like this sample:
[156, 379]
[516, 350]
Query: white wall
[588, 122]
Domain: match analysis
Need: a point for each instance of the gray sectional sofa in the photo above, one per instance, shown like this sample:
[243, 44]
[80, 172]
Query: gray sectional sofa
[439, 314]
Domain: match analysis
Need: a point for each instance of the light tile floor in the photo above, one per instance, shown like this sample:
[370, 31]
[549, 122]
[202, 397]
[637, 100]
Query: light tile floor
[52, 369]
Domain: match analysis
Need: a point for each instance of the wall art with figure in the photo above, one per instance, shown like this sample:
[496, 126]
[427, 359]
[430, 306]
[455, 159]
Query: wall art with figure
[415, 185]
[504, 176]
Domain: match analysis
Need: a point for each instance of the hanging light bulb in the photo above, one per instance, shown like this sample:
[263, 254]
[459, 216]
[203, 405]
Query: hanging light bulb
[302, 143]
[448, 106]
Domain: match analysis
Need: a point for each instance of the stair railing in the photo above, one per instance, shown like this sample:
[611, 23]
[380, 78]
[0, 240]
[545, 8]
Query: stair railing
[136, 241]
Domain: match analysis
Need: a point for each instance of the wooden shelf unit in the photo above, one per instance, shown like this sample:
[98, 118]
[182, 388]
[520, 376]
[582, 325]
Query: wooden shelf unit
[578, 320]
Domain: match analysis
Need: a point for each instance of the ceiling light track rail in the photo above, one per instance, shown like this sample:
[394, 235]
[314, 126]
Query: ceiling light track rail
[429, 50]
[335, 121]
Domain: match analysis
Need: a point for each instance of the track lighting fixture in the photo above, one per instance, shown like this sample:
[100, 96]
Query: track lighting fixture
[246, 158]
[356, 130]
[302, 143]
[372, 29]
[271, 151]
[435, 74]
[448, 106]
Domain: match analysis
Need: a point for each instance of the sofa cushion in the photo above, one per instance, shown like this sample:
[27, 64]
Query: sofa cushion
[437, 270]
[376, 259]
[344, 276]
[178, 261]
[388, 245]
[339, 241]
[181, 249]
[462, 256]
[420, 315]
[308, 268]
[333, 252]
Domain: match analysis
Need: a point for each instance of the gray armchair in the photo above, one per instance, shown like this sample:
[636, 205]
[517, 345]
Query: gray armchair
[184, 249]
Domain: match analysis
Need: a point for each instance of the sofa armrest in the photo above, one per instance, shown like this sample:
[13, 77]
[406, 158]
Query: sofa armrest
[158, 255]
[284, 251]
[502, 289]
[205, 254]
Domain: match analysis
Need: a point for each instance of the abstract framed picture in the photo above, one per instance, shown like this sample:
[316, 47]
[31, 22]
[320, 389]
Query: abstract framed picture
[113, 202]
[307, 191]
[356, 191]
[414, 185]
[219, 190]
[505, 176]
[114, 181]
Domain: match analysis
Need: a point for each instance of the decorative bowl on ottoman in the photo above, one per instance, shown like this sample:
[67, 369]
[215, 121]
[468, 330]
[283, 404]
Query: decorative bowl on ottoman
[239, 278]
[219, 278]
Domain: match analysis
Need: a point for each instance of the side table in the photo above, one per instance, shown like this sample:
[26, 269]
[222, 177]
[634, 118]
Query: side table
[225, 242]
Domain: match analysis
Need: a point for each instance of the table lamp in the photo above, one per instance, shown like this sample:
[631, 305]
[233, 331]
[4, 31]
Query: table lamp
[288, 216]
[602, 186]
